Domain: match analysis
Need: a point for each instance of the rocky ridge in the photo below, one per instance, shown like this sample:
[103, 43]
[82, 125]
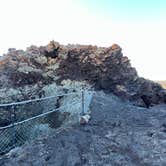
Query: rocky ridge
[24, 74]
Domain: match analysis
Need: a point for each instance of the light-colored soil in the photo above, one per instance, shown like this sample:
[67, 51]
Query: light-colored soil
[163, 84]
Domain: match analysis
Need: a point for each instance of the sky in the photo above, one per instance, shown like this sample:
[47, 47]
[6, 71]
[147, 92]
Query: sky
[138, 26]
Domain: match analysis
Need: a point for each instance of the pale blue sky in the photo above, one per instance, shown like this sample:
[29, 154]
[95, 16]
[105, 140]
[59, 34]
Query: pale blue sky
[128, 9]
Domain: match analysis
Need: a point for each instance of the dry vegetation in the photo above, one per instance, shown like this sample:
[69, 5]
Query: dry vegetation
[163, 84]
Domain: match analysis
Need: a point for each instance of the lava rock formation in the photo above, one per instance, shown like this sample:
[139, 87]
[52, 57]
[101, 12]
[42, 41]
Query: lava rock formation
[102, 68]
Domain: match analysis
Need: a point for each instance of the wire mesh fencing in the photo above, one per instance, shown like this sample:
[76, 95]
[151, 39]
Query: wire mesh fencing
[24, 121]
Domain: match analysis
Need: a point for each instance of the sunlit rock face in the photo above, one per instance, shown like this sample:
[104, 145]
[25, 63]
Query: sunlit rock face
[100, 67]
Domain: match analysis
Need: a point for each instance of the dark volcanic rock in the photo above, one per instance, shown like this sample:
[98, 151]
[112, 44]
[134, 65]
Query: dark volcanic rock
[107, 69]
[118, 134]
[104, 68]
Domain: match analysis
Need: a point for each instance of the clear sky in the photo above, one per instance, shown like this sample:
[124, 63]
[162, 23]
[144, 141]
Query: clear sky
[138, 26]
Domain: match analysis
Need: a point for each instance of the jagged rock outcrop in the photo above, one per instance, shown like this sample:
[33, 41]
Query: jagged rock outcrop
[103, 68]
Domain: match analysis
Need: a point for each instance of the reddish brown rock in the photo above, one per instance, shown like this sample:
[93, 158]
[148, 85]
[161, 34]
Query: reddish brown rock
[104, 68]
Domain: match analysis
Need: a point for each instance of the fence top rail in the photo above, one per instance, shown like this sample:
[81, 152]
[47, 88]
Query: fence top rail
[34, 117]
[39, 99]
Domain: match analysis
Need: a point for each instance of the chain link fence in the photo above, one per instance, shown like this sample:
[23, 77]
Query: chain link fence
[26, 120]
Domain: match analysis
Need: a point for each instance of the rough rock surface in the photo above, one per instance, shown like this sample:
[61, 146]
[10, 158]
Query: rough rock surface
[103, 68]
[119, 134]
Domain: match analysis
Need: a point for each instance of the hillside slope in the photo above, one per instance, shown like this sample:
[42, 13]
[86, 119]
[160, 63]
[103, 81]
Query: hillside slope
[128, 112]
[118, 134]
[162, 83]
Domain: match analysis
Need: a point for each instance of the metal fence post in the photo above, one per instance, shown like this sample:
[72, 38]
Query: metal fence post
[83, 102]
[13, 128]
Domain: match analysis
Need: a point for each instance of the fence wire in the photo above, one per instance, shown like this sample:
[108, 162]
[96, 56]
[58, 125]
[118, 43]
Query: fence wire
[24, 121]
